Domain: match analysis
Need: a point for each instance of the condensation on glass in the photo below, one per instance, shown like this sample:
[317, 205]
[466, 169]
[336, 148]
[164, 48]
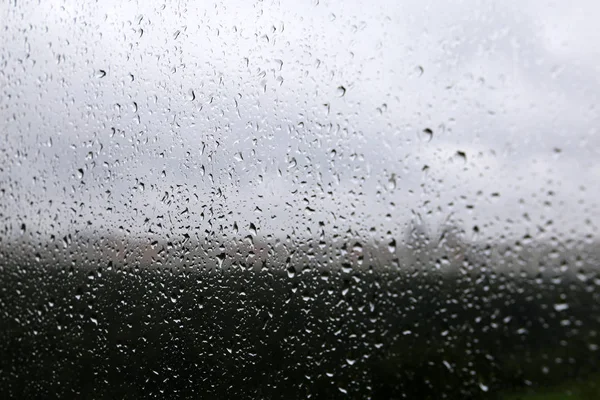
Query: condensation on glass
[299, 199]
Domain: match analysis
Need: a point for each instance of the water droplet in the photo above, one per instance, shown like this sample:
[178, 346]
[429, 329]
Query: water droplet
[292, 163]
[340, 91]
[561, 307]
[392, 246]
[100, 73]
[391, 185]
[291, 271]
[428, 134]
[220, 259]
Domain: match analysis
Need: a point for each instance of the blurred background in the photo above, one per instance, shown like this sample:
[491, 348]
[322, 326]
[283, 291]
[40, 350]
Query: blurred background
[299, 199]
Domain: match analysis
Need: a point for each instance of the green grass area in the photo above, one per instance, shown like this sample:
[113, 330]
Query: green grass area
[580, 389]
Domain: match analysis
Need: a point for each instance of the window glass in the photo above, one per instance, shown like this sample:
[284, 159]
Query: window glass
[299, 199]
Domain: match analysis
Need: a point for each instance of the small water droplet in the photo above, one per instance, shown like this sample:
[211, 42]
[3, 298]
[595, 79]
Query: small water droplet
[392, 246]
[391, 185]
[428, 133]
[100, 73]
[291, 271]
[340, 91]
[220, 259]
[292, 163]
[191, 96]
[561, 307]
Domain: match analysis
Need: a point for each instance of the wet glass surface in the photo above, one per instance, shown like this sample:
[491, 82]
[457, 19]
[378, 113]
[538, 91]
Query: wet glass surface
[299, 199]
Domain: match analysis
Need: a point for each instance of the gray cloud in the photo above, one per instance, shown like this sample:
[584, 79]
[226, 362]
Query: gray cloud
[286, 115]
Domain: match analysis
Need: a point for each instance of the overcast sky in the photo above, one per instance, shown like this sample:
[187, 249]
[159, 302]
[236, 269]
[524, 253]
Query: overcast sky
[357, 114]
